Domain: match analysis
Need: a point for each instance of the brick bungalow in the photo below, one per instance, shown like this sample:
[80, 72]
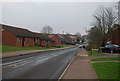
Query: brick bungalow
[68, 39]
[13, 36]
[74, 38]
[60, 37]
[55, 38]
[116, 35]
[43, 40]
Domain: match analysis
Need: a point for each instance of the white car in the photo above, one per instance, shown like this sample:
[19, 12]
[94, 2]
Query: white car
[80, 46]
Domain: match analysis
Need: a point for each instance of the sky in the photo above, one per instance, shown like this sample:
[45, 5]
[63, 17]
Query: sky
[70, 17]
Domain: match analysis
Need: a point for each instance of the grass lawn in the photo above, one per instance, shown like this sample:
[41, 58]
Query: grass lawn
[107, 70]
[106, 59]
[10, 48]
[94, 53]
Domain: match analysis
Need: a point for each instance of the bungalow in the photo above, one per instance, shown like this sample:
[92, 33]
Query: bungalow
[61, 39]
[13, 36]
[44, 40]
[74, 38]
[56, 40]
[68, 39]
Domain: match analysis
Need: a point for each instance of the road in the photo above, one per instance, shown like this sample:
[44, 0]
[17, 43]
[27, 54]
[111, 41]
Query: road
[46, 65]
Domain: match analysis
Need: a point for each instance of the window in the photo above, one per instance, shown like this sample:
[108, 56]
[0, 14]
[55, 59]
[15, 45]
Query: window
[18, 40]
[26, 39]
[2, 30]
[36, 41]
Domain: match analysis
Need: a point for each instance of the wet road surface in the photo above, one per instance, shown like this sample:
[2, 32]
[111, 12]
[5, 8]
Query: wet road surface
[46, 65]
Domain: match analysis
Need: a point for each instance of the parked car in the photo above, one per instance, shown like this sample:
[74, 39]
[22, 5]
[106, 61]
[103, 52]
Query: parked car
[80, 46]
[112, 48]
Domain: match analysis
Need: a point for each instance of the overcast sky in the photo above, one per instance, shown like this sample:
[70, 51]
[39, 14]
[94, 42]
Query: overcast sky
[69, 17]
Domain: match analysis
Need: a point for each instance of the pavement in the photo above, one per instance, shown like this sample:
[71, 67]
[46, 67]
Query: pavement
[81, 67]
[23, 52]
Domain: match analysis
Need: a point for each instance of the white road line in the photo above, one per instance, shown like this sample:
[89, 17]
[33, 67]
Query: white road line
[16, 66]
[65, 70]
[10, 63]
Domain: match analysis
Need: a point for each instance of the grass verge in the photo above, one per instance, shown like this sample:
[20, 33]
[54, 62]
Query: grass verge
[11, 48]
[95, 53]
[107, 70]
[106, 59]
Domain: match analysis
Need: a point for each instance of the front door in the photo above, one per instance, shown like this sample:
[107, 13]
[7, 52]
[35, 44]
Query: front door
[23, 40]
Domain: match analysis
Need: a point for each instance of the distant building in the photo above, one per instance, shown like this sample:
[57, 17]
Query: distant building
[116, 35]
[68, 39]
[85, 39]
[74, 38]
[56, 39]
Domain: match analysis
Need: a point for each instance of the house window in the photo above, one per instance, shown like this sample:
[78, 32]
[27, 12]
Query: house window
[18, 40]
[2, 30]
[36, 41]
[26, 39]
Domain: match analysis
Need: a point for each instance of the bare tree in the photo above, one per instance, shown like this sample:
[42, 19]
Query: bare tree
[94, 37]
[79, 37]
[47, 30]
[104, 20]
[119, 12]
[78, 34]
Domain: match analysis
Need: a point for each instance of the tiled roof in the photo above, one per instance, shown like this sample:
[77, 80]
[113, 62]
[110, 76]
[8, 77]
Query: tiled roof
[67, 38]
[18, 31]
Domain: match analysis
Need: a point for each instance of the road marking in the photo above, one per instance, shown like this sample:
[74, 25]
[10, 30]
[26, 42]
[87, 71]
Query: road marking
[16, 66]
[65, 70]
[10, 62]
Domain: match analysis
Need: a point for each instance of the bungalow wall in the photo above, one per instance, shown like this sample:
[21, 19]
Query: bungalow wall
[50, 43]
[19, 42]
[11, 39]
[29, 42]
[37, 41]
[26, 42]
[8, 38]
[44, 43]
